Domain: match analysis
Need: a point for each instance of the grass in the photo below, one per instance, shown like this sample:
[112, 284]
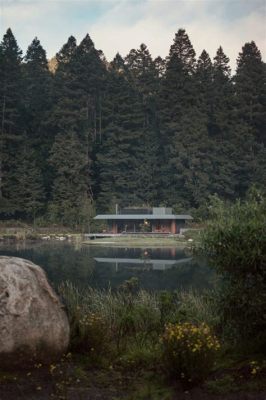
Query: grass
[22, 231]
[127, 364]
[139, 241]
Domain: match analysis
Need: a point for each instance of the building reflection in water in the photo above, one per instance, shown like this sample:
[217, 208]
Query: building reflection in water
[142, 263]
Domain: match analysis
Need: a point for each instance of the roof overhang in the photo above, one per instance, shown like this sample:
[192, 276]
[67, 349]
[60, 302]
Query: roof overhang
[142, 217]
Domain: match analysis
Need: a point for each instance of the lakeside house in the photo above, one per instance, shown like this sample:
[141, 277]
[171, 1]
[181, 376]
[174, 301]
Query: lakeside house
[149, 220]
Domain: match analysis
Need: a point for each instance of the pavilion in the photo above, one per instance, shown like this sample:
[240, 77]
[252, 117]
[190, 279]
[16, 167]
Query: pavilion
[140, 220]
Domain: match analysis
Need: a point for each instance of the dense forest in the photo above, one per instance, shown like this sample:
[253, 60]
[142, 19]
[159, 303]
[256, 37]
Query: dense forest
[89, 133]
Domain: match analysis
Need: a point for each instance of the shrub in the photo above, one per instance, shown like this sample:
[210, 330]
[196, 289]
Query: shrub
[234, 242]
[138, 356]
[189, 351]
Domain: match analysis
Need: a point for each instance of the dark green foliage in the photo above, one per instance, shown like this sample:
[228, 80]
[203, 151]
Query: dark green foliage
[37, 100]
[183, 128]
[250, 90]
[125, 149]
[235, 244]
[250, 106]
[146, 80]
[69, 159]
[77, 123]
[11, 117]
[29, 190]
[136, 131]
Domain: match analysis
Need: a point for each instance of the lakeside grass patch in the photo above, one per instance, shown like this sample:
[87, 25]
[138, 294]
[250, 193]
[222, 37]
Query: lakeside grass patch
[139, 241]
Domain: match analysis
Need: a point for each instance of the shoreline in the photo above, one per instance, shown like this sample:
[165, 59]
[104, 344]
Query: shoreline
[146, 243]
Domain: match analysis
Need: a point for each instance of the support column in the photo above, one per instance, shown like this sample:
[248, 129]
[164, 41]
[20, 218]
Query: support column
[173, 226]
[114, 227]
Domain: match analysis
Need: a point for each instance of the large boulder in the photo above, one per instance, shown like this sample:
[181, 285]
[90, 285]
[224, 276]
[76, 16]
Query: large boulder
[33, 324]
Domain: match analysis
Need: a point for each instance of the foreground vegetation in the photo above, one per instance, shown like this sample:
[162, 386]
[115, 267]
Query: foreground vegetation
[142, 345]
[134, 345]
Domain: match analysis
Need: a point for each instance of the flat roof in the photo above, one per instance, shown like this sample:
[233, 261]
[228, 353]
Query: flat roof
[141, 216]
[141, 261]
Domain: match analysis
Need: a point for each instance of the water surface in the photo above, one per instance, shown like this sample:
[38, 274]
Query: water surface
[156, 268]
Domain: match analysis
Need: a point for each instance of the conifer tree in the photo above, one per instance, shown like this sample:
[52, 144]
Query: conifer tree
[135, 131]
[37, 97]
[178, 104]
[222, 93]
[29, 188]
[145, 79]
[219, 129]
[122, 149]
[38, 103]
[70, 187]
[250, 117]
[11, 112]
[233, 155]
[204, 82]
[250, 90]
[77, 123]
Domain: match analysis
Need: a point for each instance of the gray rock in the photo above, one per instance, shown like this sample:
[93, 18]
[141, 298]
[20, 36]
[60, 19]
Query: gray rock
[33, 324]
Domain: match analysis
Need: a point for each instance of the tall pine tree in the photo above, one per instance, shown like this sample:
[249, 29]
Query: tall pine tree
[11, 126]
[77, 122]
[38, 103]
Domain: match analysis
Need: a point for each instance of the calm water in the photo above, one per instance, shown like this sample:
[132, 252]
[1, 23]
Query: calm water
[156, 268]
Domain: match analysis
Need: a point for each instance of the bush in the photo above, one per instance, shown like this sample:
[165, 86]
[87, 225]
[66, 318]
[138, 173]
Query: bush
[234, 242]
[139, 356]
[189, 351]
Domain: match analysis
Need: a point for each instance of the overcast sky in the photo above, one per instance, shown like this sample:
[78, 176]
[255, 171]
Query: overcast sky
[120, 25]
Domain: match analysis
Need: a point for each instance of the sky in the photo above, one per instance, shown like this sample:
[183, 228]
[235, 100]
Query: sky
[120, 25]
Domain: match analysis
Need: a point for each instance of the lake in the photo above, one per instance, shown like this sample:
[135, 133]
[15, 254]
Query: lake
[160, 268]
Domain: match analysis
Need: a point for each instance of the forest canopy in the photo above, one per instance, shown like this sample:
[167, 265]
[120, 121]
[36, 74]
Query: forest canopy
[86, 133]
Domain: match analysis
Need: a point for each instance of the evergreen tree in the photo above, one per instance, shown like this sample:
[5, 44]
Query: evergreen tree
[29, 190]
[38, 103]
[77, 121]
[183, 50]
[37, 97]
[70, 187]
[65, 55]
[145, 79]
[11, 124]
[136, 131]
[178, 104]
[233, 148]
[250, 90]
[222, 94]
[204, 82]
[121, 153]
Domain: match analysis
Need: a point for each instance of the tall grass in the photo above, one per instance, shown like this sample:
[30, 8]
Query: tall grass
[134, 316]
[200, 308]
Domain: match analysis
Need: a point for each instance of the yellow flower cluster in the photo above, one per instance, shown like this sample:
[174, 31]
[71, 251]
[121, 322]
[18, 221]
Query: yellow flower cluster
[92, 332]
[254, 367]
[91, 319]
[52, 368]
[190, 337]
